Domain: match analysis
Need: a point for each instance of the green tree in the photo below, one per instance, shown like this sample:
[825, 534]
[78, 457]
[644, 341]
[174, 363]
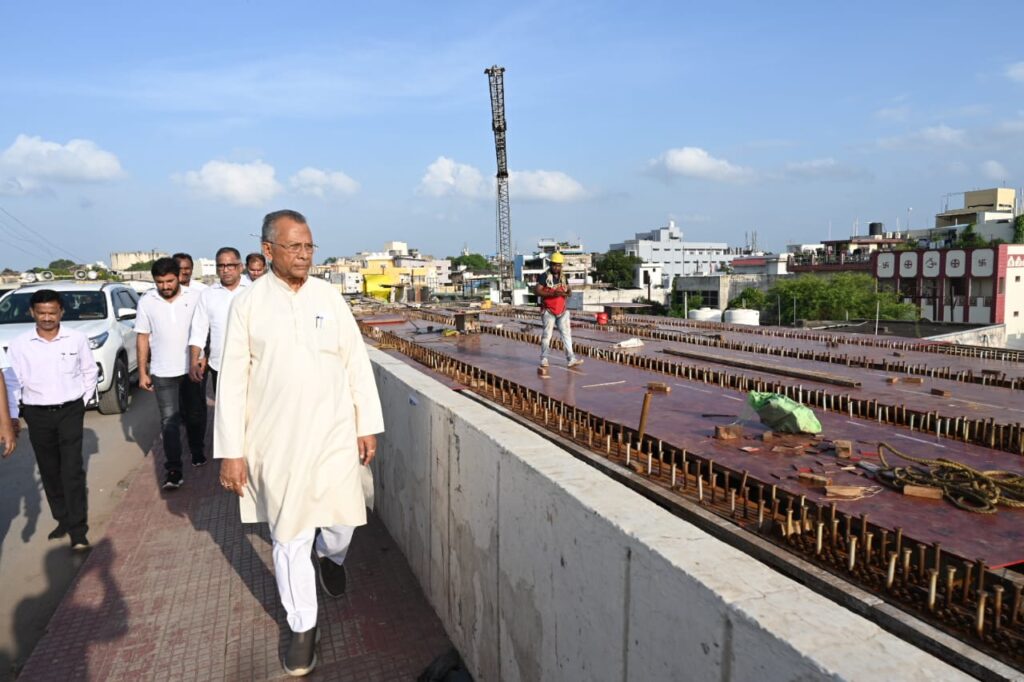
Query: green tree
[617, 269]
[61, 264]
[472, 261]
[144, 266]
[1018, 229]
[809, 297]
[751, 298]
[330, 260]
[969, 237]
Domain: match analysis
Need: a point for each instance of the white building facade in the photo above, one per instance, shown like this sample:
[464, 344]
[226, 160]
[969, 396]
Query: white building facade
[665, 246]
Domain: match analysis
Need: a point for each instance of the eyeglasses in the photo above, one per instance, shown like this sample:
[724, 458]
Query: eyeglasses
[294, 249]
[224, 266]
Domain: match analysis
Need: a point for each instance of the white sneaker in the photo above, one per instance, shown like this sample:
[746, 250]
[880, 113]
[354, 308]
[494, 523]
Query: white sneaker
[575, 363]
[544, 362]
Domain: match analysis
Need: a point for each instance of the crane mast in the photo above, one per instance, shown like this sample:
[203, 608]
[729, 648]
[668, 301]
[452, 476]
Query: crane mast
[496, 77]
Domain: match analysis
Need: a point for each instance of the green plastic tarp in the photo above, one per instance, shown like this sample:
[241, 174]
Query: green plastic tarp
[783, 415]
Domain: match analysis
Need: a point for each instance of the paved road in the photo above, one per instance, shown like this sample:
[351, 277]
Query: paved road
[36, 571]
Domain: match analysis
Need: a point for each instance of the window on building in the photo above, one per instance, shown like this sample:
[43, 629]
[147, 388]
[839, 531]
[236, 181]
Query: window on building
[1017, 278]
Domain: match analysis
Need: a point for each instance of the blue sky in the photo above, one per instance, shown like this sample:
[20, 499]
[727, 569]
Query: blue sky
[177, 126]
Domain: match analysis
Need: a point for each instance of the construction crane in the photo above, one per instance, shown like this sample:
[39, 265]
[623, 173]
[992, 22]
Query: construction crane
[496, 77]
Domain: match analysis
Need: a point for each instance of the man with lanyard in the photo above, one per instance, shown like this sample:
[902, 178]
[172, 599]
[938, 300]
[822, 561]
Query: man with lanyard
[296, 419]
[552, 291]
[211, 316]
[57, 374]
[162, 327]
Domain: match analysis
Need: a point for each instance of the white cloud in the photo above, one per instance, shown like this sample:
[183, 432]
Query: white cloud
[319, 183]
[897, 113]
[934, 136]
[545, 186]
[1010, 127]
[1015, 72]
[30, 163]
[446, 177]
[994, 170]
[248, 184]
[825, 169]
[694, 162]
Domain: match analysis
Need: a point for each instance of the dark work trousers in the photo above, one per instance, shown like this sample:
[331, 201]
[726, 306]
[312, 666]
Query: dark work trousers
[212, 373]
[56, 437]
[181, 399]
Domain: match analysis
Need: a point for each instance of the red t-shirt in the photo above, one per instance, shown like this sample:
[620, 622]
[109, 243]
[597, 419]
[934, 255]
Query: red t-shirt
[556, 304]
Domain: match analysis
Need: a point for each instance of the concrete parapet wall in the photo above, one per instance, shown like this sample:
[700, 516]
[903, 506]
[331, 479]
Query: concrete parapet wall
[542, 568]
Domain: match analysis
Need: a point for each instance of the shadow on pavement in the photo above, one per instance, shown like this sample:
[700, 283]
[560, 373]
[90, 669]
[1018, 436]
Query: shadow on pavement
[139, 422]
[107, 620]
[21, 490]
[213, 511]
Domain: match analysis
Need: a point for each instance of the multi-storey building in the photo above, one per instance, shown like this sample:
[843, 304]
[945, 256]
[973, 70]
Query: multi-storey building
[974, 285]
[576, 267]
[665, 245]
[122, 260]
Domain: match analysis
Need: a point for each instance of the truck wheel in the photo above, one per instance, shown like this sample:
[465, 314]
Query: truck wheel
[115, 399]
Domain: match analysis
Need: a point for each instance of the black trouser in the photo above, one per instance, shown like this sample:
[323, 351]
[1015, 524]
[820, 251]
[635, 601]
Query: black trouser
[213, 381]
[178, 398]
[56, 437]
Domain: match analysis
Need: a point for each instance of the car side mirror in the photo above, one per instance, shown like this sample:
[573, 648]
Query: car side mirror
[126, 314]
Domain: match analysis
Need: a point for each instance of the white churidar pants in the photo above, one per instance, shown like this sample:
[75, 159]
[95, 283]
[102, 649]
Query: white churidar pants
[296, 576]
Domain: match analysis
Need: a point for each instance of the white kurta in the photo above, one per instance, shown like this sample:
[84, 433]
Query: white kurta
[295, 390]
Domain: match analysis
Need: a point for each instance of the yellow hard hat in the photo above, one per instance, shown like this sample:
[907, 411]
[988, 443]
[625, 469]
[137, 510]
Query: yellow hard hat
[557, 257]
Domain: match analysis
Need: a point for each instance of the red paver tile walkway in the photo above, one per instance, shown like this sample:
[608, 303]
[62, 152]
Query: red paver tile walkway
[179, 589]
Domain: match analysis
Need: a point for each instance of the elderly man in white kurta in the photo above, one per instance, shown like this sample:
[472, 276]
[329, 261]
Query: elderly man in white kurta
[297, 408]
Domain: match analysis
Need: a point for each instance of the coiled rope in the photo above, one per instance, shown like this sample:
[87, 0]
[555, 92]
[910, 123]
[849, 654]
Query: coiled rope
[967, 488]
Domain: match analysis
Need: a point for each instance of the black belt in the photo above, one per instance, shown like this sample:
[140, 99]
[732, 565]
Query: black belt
[54, 408]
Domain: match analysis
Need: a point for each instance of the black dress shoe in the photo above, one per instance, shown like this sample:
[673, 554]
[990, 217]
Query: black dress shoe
[57, 533]
[79, 544]
[332, 577]
[301, 656]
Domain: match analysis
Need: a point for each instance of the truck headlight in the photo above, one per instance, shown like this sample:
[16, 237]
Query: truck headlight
[97, 341]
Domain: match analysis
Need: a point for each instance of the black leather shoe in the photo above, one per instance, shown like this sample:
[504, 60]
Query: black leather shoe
[57, 533]
[301, 656]
[332, 577]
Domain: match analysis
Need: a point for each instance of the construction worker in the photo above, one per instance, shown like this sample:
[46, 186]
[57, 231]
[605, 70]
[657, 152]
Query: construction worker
[552, 291]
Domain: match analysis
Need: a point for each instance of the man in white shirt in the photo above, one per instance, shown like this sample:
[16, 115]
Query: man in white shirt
[297, 414]
[255, 266]
[57, 374]
[162, 326]
[8, 414]
[185, 267]
[211, 317]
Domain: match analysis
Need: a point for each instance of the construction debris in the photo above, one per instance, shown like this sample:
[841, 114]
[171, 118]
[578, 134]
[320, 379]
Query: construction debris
[728, 431]
[844, 448]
